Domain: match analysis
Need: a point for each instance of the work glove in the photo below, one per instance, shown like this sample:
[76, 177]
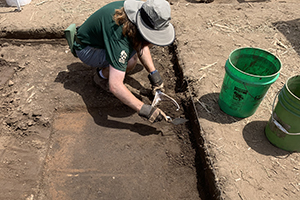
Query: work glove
[156, 81]
[152, 114]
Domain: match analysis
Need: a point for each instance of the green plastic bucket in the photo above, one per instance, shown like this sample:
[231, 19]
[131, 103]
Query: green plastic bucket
[283, 128]
[249, 74]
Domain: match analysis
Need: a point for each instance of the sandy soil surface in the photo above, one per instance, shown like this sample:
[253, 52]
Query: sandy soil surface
[42, 85]
[246, 165]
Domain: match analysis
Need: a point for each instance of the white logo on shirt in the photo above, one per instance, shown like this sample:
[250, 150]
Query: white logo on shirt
[123, 57]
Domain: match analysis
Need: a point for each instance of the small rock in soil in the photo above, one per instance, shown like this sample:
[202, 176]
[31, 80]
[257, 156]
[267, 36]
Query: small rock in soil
[10, 83]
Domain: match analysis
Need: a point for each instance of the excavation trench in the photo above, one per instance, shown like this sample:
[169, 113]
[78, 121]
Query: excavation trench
[205, 172]
[53, 93]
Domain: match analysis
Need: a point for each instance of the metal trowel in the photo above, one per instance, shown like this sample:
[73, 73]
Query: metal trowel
[160, 96]
[178, 121]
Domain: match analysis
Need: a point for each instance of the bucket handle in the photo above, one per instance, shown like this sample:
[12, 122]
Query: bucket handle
[279, 126]
[18, 5]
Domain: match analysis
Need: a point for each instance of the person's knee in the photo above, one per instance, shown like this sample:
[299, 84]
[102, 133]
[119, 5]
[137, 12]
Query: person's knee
[132, 63]
[134, 59]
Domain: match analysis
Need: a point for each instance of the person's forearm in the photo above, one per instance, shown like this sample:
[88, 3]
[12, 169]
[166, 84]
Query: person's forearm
[124, 95]
[117, 87]
[146, 59]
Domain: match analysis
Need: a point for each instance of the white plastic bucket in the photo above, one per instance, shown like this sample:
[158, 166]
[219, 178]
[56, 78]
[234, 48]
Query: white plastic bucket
[15, 2]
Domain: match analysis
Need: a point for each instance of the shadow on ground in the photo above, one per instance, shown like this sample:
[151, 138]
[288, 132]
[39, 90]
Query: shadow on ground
[208, 108]
[105, 109]
[254, 135]
[290, 29]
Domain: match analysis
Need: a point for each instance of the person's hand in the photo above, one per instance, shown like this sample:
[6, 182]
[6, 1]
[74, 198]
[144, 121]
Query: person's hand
[158, 87]
[156, 81]
[152, 114]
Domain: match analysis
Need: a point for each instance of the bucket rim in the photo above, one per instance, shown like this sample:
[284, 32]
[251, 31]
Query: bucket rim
[248, 74]
[288, 89]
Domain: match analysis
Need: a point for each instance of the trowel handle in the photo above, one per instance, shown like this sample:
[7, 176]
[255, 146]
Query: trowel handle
[169, 119]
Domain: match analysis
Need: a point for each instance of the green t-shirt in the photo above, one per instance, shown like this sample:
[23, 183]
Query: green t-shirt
[101, 31]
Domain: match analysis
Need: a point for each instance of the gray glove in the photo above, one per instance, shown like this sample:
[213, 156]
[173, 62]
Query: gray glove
[152, 114]
[156, 81]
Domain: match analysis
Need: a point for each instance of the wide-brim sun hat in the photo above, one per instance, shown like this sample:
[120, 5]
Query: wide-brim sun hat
[152, 19]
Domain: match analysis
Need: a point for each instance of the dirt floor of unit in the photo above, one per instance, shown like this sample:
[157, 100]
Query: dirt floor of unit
[62, 137]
